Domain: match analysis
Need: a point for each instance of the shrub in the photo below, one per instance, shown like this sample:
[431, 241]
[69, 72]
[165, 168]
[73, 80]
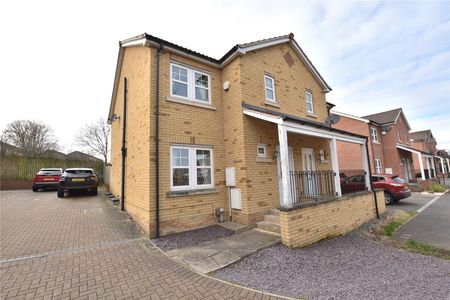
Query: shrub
[436, 188]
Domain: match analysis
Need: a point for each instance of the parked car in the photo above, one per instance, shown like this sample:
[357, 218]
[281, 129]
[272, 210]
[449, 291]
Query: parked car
[352, 184]
[395, 188]
[76, 179]
[46, 178]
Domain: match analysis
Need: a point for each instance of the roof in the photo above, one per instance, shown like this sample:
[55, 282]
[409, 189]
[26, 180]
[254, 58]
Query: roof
[146, 39]
[385, 117]
[421, 135]
[300, 120]
[413, 150]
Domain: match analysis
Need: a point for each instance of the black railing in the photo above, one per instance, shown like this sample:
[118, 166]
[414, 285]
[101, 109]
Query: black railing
[309, 186]
[352, 181]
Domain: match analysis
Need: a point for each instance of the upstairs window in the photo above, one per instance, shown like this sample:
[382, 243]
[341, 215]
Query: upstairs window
[189, 84]
[270, 88]
[309, 102]
[374, 134]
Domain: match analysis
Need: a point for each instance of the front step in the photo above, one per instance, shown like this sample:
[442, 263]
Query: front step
[271, 222]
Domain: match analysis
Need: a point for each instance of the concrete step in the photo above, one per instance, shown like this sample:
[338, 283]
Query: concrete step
[272, 219]
[274, 211]
[268, 226]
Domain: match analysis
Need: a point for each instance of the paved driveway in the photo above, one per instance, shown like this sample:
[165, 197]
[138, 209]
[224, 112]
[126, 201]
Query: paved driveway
[412, 203]
[431, 226]
[83, 248]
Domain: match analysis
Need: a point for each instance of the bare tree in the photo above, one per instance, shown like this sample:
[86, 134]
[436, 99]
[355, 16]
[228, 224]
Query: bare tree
[94, 137]
[33, 138]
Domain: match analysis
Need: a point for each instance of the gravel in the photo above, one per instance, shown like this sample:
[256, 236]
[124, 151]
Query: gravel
[347, 267]
[192, 237]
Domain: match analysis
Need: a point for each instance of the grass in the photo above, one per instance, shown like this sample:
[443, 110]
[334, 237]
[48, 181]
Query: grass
[390, 228]
[436, 188]
[427, 249]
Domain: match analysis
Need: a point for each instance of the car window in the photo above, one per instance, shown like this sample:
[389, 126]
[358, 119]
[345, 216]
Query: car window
[79, 172]
[398, 179]
[49, 172]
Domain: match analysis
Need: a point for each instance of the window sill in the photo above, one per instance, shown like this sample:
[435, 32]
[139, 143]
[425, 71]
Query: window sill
[373, 142]
[174, 194]
[263, 159]
[311, 115]
[274, 104]
[191, 103]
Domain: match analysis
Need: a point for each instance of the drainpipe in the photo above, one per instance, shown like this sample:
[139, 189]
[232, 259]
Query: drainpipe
[157, 140]
[124, 149]
[370, 180]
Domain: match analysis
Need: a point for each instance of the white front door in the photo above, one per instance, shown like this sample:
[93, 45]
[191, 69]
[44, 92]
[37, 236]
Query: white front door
[309, 164]
[291, 168]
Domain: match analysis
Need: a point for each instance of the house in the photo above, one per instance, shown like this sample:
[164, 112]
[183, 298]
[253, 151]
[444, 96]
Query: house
[246, 133]
[347, 151]
[425, 141]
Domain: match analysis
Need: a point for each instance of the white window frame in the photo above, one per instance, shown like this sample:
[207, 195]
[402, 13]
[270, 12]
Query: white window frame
[309, 102]
[268, 88]
[190, 84]
[192, 166]
[374, 134]
[261, 146]
[378, 166]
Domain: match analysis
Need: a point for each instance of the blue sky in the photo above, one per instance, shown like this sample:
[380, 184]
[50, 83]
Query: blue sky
[58, 57]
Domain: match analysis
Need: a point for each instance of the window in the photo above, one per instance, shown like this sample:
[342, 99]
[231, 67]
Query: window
[378, 165]
[262, 150]
[191, 168]
[270, 88]
[374, 134]
[189, 84]
[309, 102]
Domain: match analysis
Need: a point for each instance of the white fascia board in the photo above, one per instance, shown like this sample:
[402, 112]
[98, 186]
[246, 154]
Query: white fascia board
[349, 116]
[116, 82]
[322, 133]
[138, 42]
[310, 66]
[265, 44]
[238, 52]
[264, 117]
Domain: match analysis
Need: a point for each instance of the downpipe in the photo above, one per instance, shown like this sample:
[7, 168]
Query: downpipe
[370, 180]
[124, 149]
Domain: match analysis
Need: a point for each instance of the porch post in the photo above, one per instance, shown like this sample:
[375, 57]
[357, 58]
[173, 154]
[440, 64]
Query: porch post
[422, 172]
[365, 163]
[335, 165]
[286, 201]
[433, 166]
[442, 165]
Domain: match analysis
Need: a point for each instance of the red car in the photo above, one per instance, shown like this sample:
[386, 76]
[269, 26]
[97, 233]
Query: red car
[47, 178]
[395, 188]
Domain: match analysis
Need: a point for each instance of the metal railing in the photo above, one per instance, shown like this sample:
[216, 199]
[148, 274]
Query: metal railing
[309, 186]
[352, 181]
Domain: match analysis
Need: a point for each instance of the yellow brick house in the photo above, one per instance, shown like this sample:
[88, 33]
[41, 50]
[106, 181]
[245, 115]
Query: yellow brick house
[182, 122]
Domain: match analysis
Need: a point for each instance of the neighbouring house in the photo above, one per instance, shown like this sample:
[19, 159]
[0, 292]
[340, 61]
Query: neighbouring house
[425, 141]
[444, 157]
[248, 133]
[347, 152]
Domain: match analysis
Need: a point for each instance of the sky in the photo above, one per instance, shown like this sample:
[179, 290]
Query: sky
[58, 58]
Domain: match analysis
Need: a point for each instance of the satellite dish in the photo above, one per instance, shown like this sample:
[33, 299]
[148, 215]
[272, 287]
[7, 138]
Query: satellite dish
[332, 119]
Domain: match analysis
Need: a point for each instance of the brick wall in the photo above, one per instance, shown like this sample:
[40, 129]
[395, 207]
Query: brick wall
[303, 226]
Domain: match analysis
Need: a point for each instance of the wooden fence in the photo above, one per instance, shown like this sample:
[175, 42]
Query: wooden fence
[14, 167]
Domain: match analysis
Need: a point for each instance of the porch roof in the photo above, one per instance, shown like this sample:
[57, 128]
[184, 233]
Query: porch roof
[412, 150]
[298, 120]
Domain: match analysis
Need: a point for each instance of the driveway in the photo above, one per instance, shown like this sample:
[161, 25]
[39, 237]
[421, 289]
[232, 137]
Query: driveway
[83, 248]
[413, 203]
[431, 226]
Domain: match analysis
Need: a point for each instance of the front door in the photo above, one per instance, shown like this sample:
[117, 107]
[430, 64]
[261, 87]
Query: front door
[309, 165]
[291, 168]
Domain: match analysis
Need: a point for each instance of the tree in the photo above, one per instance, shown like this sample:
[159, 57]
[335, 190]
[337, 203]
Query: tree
[33, 138]
[94, 137]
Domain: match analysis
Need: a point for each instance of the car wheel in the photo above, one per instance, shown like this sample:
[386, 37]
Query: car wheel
[94, 192]
[388, 198]
[35, 189]
[60, 194]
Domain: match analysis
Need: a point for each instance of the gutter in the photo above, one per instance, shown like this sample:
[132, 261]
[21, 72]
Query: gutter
[157, 140]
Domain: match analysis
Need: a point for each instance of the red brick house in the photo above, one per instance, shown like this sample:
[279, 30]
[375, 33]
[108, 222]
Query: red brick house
[425, 141]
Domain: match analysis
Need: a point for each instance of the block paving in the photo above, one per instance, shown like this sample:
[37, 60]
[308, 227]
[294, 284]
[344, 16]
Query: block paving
[81, 247]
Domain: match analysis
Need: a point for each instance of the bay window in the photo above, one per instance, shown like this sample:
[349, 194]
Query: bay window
[191, 168]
